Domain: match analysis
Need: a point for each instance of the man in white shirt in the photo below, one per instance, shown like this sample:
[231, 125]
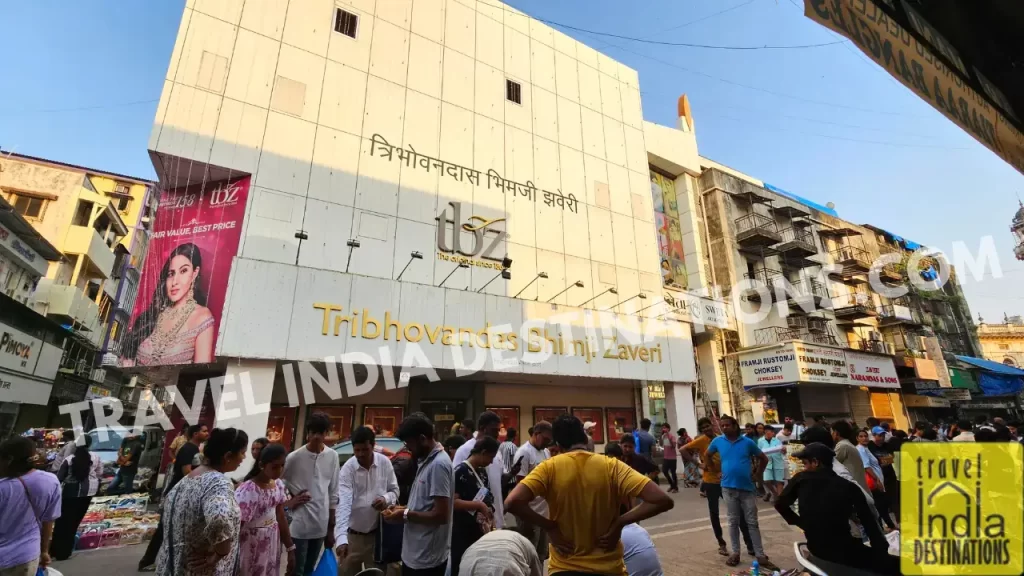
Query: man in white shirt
[366, 485]
[529, 456]
[487, 424]
[313, 468]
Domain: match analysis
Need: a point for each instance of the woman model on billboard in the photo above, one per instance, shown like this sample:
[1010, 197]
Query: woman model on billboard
[177, 328]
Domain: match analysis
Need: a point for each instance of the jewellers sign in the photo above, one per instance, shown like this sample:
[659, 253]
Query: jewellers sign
[698, 310]
[800, 363]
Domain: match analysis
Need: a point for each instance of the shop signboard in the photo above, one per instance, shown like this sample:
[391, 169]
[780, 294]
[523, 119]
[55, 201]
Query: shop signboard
[872, 371]
[919, 401]
[184, 278]
[820, 364]
[670, 236]
[19, 389]
[27, 256]
[798, 362]
[18, 351]
[956, 394]
[699, 310]
[771, 367]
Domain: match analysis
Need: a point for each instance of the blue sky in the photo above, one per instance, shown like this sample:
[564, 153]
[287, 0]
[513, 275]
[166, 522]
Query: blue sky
[82, 78]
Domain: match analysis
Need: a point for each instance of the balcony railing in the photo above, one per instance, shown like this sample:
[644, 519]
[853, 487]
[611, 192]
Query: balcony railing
[766, 277]
[797, 241]
[776, 334]
[895, 313]
[853, 259]
[757, 229]
[853, 306]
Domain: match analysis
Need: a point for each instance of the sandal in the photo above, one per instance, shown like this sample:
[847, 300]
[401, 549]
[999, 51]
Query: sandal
[733, 560]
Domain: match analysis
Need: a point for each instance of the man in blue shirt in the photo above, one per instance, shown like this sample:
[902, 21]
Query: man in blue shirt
[736, 453]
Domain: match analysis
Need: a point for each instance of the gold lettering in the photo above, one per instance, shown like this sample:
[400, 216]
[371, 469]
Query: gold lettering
[419, 332]
[327, 308]
[449, 332]
[354, 324]
[367, 321]
[388, 323]
[658, 350]
[338, 321]
[644, 355]
[466, 335]
[610, 353]
[554, 343]
[432, 334]
[484, 336]
[623, 352]
[513, 340]
[579, 348]
[534, 342]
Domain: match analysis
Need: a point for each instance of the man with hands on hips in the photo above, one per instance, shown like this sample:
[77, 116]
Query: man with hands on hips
[366, 487]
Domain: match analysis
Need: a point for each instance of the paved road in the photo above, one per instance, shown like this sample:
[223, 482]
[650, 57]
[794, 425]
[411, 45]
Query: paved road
[683, 538]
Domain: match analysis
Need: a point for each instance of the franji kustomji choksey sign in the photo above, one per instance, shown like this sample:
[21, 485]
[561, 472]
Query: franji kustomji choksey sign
[796, 362]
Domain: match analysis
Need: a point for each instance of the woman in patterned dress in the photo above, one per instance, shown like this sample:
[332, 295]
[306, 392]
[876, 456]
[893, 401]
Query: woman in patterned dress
[201, 516]
[261, 499]
[177, 327]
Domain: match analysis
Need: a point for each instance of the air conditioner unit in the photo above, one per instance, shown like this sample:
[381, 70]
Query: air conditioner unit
[817, 325]
[875, 336]
[890, 348]
[798, 322]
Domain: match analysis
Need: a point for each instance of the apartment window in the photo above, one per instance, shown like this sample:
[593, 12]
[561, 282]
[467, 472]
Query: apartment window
[346, 23]
[122, 203]
[28, 206]
[513, 91]
[82, 213]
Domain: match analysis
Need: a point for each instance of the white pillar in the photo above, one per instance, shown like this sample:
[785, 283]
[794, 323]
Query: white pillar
[645, 403]
[679, 406]
[245, 402]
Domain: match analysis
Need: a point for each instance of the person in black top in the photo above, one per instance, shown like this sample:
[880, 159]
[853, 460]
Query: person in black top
[197, 434]
[474, 499]
[883, 451]
[128, 465]
[634, 460]
[826, 503]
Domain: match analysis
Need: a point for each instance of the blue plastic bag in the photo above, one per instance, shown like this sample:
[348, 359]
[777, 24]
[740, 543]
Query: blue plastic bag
[328, 565]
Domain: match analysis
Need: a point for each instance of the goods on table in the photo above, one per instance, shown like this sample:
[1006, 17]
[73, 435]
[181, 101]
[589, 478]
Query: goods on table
[117, 521]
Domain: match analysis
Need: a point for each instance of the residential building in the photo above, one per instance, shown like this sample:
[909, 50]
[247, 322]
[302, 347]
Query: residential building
[97, 220]
[30, 344]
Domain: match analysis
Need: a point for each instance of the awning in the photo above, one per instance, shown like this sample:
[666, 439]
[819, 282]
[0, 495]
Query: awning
[991, 366]
[995, 379]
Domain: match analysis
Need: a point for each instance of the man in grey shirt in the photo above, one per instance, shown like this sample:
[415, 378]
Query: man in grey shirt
[313, 468]
[428, 518]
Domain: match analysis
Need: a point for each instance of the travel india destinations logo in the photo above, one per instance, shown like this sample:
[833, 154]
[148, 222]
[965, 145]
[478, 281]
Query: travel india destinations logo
[962, 508]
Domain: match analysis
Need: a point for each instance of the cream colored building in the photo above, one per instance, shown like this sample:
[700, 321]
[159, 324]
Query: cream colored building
[1003, 343]
[84, 213]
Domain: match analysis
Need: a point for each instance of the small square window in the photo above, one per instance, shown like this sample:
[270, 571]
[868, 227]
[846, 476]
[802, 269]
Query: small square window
[29, 206]
[513, 91]
[346, 23]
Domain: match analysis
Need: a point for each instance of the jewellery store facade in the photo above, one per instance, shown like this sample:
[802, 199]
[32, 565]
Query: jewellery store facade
[340, 201]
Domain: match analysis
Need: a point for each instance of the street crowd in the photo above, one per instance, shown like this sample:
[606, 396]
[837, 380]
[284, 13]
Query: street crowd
[440, 509]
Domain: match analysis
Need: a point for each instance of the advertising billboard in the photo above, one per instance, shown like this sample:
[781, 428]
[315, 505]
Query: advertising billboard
[185, 275]
[670, 235]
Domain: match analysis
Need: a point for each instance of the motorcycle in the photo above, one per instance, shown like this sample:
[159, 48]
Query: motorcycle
[818, 567]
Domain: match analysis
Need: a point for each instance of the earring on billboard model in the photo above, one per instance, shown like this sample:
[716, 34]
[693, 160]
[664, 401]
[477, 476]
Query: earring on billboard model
[191, 296]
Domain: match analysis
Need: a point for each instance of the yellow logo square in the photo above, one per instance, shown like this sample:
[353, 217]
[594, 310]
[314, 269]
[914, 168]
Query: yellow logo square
[961, 508]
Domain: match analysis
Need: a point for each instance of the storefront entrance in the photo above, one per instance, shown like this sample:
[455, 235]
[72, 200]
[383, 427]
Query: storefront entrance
[444, 414]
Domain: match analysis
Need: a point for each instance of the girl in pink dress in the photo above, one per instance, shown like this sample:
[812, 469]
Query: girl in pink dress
[261, 498]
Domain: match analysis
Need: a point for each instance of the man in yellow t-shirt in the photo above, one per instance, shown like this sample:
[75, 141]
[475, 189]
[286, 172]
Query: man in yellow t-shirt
[712, 482]
[584, 492]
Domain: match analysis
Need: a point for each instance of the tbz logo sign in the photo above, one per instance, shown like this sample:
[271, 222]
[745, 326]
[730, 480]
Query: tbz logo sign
[486, 239]
[225, 195]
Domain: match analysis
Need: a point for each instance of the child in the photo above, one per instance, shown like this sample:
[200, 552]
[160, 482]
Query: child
[261, 499]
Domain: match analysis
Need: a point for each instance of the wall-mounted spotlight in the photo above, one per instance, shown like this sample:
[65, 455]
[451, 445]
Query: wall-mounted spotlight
[352, 245]
[641, 296]
[461, 265]
[539, 275]
[578, 284]
[611, 290]
[413, 256]
[506, 274]
[651, 306]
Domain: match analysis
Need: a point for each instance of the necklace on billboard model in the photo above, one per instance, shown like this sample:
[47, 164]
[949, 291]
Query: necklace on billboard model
[175, 317]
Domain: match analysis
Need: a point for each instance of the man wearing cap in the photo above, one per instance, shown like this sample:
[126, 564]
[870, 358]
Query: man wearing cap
[826, 502]
[588, 427]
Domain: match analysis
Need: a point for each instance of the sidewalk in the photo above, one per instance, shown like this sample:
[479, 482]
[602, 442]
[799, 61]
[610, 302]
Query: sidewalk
[683, 538]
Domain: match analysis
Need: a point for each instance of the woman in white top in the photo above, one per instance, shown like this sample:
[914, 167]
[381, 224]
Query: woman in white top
[79, 475]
